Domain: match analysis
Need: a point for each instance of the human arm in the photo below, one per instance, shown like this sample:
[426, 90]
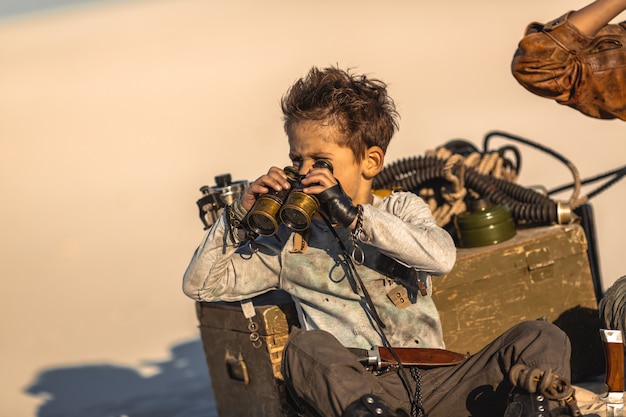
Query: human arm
[558, 61]
[225, 269]
[402, 226]
[221, 269]
[593, 17]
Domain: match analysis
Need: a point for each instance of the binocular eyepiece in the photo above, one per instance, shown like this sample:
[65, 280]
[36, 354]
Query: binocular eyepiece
[292, 207]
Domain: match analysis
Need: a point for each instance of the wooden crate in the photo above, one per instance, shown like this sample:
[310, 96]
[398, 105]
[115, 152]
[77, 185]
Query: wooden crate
[244, 355]
[541, 272]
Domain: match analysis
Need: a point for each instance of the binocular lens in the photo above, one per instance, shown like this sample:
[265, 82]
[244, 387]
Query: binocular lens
[297, 212]
[295, 219]
[263, 224]
[262, 218]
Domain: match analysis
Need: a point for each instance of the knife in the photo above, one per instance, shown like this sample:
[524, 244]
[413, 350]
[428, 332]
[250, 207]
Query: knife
[613, 343]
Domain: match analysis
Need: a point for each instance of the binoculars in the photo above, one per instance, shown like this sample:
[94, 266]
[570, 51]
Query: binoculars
[292, 207]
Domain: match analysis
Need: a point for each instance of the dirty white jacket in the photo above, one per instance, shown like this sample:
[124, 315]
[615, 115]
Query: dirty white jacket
[318, 278]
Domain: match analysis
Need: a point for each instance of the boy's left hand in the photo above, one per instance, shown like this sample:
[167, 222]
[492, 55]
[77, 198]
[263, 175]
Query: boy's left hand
[338, 205]
[317, 180]
[320, 182]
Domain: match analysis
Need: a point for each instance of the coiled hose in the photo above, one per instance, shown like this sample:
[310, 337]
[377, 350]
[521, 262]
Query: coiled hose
[526, 205]
[459, 169]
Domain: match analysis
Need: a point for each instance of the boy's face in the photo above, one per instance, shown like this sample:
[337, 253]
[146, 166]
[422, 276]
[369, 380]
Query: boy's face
[309, 141]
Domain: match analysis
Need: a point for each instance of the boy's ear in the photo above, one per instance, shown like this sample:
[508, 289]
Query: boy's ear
[373, 161]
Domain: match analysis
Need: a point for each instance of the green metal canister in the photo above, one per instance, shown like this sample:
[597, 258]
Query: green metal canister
[484, 224]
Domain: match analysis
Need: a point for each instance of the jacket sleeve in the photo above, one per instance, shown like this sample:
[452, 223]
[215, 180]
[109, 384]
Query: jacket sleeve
[222, 270]
[557, 61]
[402, 226]
[546, 62]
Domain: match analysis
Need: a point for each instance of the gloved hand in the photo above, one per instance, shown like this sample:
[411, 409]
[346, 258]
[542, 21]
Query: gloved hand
[338, 205]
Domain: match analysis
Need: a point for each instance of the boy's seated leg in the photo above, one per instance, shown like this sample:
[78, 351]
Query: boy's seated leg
[480, 386]
[328, 378]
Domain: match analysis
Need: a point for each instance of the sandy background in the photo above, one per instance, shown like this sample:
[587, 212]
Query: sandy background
[113, 114]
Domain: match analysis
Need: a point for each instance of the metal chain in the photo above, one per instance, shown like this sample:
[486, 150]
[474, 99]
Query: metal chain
[357, 255]
[417, 409]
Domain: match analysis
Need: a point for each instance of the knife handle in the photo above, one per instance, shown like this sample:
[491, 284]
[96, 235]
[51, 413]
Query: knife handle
[614, 354]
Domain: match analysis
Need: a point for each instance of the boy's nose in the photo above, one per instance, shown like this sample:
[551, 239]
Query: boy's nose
[305, 168]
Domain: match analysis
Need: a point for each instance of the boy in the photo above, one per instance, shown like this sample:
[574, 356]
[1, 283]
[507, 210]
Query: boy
[579, 60]
[336, 271]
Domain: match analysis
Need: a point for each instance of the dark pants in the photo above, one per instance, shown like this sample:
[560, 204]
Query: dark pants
[324, 376]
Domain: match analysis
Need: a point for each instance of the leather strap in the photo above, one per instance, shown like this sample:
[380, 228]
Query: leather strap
[389, 267]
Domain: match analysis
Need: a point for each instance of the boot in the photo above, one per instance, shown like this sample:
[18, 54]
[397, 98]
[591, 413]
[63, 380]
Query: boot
[524, 404]
[540, 393]
[371, 406]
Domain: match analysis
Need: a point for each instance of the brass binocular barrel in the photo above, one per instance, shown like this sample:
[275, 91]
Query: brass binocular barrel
[292, 207]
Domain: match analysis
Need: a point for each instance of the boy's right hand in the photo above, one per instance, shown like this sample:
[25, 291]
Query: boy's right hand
[275, 179]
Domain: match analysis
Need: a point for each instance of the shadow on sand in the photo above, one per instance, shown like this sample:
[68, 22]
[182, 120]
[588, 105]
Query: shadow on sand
[181, 388]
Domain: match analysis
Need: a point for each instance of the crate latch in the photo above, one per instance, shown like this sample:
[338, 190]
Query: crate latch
[236, 368]
[540, 264]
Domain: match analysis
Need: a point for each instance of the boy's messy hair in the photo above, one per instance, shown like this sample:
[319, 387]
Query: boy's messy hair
[359, 107]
